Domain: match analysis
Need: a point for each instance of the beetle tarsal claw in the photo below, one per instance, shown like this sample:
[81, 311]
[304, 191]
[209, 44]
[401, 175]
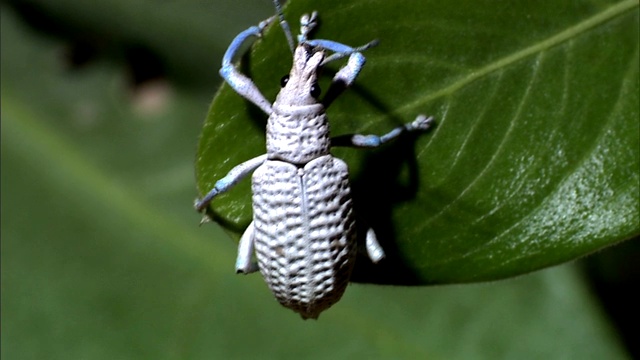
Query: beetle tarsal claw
[422, 123]
[205, 219]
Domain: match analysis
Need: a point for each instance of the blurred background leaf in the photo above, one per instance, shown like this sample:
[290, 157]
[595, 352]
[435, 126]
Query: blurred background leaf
[101, 254]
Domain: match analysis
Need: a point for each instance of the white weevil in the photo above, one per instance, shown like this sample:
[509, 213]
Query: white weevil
[303, 227]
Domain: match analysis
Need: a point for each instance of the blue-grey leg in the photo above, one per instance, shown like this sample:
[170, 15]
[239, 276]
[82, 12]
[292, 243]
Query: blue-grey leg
[421, 123]
[232, 178]
[339, 50]
[348, 73]
[240, 83]
[374, 250]
[244, 265]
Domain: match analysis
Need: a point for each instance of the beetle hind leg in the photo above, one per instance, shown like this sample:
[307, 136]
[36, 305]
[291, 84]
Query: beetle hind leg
[244, 264]
[374, 250]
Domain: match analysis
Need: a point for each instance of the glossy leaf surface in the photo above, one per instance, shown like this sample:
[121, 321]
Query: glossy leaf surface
[535, 157]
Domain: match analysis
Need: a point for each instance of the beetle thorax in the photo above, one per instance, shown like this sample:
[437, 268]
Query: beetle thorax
[298, 130]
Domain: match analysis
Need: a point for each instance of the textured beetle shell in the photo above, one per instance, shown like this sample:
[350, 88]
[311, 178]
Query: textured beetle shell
[304, 232]
[298, 134]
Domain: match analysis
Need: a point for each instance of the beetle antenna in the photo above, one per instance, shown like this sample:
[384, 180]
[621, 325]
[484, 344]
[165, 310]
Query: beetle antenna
[285, 25]
[341, 54]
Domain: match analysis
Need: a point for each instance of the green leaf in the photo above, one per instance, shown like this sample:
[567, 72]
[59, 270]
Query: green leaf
[535, 156]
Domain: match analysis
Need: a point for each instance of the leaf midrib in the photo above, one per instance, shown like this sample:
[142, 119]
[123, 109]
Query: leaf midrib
[548, 43]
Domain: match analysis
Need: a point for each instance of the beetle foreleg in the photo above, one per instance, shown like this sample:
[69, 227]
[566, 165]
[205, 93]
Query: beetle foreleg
[421, 123]
[348, 73]
[232, 178]
[240, 83]
[339, 50]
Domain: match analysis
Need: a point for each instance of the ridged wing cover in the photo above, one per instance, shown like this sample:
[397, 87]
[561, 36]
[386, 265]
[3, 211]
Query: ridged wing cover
[304, 232]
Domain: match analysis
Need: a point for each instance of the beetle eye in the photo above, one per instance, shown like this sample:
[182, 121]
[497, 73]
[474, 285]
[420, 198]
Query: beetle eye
[315, 90]
[284, 80]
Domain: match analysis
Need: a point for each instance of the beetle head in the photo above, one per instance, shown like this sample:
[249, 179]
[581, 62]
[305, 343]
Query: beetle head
[301, 87]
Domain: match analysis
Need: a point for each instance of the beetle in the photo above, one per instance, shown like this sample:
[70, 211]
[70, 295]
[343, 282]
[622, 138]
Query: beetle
[303, 231]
